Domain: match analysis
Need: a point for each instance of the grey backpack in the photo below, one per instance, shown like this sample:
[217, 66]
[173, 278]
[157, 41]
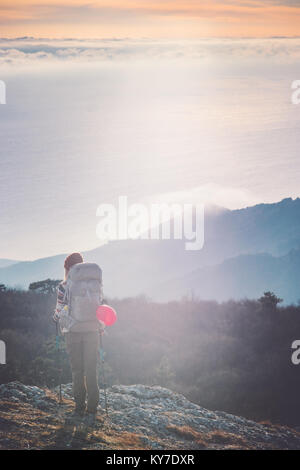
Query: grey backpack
[84, 294]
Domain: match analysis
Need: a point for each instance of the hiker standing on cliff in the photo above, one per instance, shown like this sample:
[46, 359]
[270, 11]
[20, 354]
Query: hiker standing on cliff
[78, 297]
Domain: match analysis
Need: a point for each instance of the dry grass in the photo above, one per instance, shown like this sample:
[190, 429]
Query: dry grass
[184, 431]
[127, 440]
[226, 438]
[277, 427]
[210, 439]
[25, 427]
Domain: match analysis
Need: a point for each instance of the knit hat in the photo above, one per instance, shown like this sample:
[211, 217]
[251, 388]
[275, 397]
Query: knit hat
[72, 259]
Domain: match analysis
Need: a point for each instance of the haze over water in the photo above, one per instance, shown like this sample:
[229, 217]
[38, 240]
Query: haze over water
[85, 123]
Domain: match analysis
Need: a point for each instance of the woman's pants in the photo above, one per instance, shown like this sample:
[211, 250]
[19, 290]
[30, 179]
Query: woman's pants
[83, 350]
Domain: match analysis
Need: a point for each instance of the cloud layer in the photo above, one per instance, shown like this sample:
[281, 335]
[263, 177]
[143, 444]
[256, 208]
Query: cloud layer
[30, 51]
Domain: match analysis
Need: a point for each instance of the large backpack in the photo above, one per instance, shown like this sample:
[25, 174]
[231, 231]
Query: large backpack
[84, 294]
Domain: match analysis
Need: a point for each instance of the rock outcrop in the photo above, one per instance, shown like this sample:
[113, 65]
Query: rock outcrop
[139, 417]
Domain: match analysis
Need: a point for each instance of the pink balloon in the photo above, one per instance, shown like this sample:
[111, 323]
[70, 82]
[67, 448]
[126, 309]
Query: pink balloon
[106, 314]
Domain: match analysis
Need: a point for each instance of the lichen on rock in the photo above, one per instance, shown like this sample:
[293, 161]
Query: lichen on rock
[139, 417]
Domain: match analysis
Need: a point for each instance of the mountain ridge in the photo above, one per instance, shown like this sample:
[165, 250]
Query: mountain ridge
[134, 267]
[246, 275]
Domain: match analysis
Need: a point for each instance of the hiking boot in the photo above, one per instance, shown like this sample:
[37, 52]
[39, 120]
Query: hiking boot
[77, 413]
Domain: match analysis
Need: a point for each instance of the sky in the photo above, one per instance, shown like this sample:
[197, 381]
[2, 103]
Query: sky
[146, 100]
[149, 18]
[88, 121]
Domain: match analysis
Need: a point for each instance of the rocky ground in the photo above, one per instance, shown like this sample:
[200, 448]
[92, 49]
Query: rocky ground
[140, 417]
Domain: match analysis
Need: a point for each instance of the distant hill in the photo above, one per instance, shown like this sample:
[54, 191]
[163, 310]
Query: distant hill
[250, 244]
[7, 262]
[236, 278]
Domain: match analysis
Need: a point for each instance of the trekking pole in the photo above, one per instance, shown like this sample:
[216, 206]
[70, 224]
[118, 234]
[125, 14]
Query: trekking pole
[59, 359]
[103, 372]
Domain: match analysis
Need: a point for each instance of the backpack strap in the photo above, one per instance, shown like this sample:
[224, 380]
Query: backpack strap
[66, 298]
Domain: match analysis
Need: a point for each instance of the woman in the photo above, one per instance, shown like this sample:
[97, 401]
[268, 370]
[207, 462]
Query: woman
[83, 349]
